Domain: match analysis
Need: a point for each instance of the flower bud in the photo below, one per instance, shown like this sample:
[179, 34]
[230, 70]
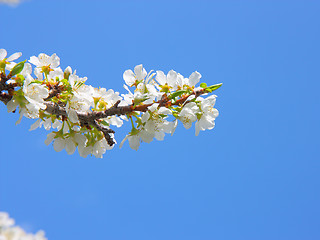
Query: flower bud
[67, 72]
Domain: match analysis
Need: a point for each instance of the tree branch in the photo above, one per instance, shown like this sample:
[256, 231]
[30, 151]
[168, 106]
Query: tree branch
[92, 118]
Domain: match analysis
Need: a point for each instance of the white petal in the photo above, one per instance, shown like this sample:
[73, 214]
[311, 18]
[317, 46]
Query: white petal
[59, 144]
[80, 139]
[129, 77]
[145, 117]
[70, 146]
[73, 116]
[12, 105]
[50, 138]
[35, 61]
[57, 124]
[84, 151]
[140, 72]
[206, 123]
[194, 78]
[14, 56]
[134, 142]
[3, 53]
[161, 78]
[159, 136]
[146, 136]
[65, 128]
[116, 121]
[35, 125]
[21, 115]
[172, 78]
[55, 61]
[10, 66]
[47, 124]
[27, 69]
[175, 124]
[153, 107]
[168, 127]
[164, 110]
[197, 125]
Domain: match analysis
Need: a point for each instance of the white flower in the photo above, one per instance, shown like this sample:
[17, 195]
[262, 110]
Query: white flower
[98, 149]
[43, 60]
[76, 81]
[188, 114]
[34, 93]
[139, 74]
[170, 79]
[155, 123]
[78, 104]
[208, 114]
[129, 98]
[193, 79]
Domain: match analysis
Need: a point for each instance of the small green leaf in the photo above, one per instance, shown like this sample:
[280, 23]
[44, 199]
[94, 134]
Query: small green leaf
[203, 85]
[104, 123]
[17, 68]
[177, 94]
[213, 87]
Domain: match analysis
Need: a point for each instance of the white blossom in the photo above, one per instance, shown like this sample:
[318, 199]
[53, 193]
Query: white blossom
[208, 114]
[139, 74]
[188, 114]
[43, 60]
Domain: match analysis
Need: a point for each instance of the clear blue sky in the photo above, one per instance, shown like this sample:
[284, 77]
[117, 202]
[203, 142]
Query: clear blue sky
[254, 177]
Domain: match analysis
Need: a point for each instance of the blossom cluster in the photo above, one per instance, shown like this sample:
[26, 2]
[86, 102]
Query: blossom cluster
[10, 232]
[81, 116]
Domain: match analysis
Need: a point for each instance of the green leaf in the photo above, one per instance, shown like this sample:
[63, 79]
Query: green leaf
[203, 85]
[17, 68]
[213, 87]
[104, 123]
[177, 94]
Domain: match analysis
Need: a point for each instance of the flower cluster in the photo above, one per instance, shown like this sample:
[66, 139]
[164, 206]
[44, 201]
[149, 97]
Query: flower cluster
[10, 232]
[81, 116]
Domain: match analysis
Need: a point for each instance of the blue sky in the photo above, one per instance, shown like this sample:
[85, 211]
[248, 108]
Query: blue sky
[255, 176]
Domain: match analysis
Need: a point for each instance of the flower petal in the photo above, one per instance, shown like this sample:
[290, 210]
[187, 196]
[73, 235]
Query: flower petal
[50, 138]
[59, 144]
[194, 78]
[14, 56]
[70, 146]
[129, 77]
[35, 125]
[161, 78]
[140, 72]
[134, 142]
[35, 61]
[73, 116]
[3, 53]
